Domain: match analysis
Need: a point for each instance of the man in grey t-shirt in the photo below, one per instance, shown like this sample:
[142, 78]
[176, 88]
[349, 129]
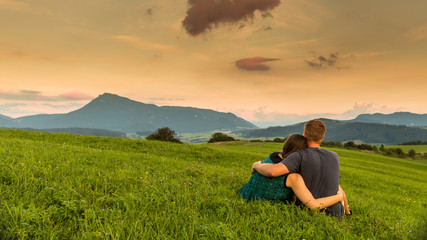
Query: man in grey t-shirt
[318, 167]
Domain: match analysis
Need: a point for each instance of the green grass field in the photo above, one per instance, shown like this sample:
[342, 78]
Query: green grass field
[62, 186]
[406, 148]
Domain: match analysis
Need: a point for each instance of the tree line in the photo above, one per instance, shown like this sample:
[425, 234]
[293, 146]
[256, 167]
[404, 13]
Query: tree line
[168, 135]
[414, 143]
[388, 151]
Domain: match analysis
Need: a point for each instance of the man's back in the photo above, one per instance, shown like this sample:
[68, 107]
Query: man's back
[320, 170]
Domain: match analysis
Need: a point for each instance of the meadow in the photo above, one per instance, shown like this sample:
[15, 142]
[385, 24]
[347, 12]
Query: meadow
[63, 186]
[406, 148]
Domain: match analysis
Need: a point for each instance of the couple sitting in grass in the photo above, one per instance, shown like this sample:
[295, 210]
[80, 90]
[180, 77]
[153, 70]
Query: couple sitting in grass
[302, 168]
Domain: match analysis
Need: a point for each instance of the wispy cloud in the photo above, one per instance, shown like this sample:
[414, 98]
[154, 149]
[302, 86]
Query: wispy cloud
[30, 102]
[254, 63]
[299, 43]
[25, 55]
[265, 117]
[30, 95]
[14, 5]
[366, 54]
[322, 62]
[417, 33]
[136, 42]
[26, 108]
[74, 95]
[21, 6]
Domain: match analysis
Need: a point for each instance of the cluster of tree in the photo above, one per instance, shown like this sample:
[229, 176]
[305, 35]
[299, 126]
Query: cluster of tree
[220, 137]
[396, 152]
[414, 143]
[276, 140]
[164, 134]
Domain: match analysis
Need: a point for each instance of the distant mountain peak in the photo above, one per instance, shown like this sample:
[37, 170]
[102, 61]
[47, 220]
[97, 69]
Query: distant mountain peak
[110, 97]
[113, 112]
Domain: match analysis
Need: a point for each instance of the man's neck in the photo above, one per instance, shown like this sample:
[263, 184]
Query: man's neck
[313, 144]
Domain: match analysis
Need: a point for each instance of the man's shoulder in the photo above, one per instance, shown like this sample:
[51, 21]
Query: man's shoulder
[329, 152]
[297, 154]
[311, 154]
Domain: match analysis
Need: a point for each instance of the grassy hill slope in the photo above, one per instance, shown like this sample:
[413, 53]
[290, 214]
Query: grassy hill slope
[406, 148]
[60, 186]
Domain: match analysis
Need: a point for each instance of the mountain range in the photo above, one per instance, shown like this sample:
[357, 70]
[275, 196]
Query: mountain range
[116, 113]
[113, 115]
[397, 118]
[348, 130]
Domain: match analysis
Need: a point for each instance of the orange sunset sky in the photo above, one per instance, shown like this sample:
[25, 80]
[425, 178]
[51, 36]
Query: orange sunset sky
[266, 61]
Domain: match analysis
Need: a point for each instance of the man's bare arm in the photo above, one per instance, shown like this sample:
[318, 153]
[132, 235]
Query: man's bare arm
[270, 170]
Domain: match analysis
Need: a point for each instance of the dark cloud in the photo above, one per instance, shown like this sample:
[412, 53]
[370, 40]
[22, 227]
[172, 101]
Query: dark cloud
[29, 95]
[265, 28]
[322, 62]
[254, 64]
[202, 15]
[266, 15]
[149, 12]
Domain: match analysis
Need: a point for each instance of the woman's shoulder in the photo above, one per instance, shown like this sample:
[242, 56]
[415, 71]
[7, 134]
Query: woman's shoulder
[275, 157]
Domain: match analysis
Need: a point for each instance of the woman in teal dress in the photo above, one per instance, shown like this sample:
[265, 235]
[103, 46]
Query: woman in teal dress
[267, 188]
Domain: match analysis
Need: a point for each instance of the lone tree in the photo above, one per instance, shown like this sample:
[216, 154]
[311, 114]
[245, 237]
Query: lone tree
[220, 137]
[412, 153]
[164, 134]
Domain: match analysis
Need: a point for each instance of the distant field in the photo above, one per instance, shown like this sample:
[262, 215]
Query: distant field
[62, 186]
[197, 138]
[406, 148]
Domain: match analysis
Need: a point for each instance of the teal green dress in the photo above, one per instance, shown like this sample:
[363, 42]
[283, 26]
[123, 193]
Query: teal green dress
[267, 188]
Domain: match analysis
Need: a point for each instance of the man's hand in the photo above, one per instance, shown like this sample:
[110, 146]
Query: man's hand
[254, 166]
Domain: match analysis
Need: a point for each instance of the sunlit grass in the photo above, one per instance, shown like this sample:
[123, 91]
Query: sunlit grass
[61, 186]
[406, 148]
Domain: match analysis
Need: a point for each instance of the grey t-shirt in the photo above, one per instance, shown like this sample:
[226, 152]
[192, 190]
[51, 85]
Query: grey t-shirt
[320, 170]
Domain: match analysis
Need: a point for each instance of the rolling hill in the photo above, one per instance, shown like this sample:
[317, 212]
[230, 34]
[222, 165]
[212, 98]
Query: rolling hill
[397, 118]
[6, 121]
[62, 186]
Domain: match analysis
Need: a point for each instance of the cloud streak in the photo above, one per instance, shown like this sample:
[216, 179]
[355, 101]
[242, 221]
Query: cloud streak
[29, 95]
[417, 33]
[265, 117]
[202, 15]
[138, 43]
[254, 64]
[14, 5]
[322, 62]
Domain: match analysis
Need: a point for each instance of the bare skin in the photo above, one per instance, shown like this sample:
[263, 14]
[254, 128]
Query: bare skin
[297, 184]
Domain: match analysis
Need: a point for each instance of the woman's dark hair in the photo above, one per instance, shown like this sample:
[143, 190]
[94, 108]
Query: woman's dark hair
[294, 143]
